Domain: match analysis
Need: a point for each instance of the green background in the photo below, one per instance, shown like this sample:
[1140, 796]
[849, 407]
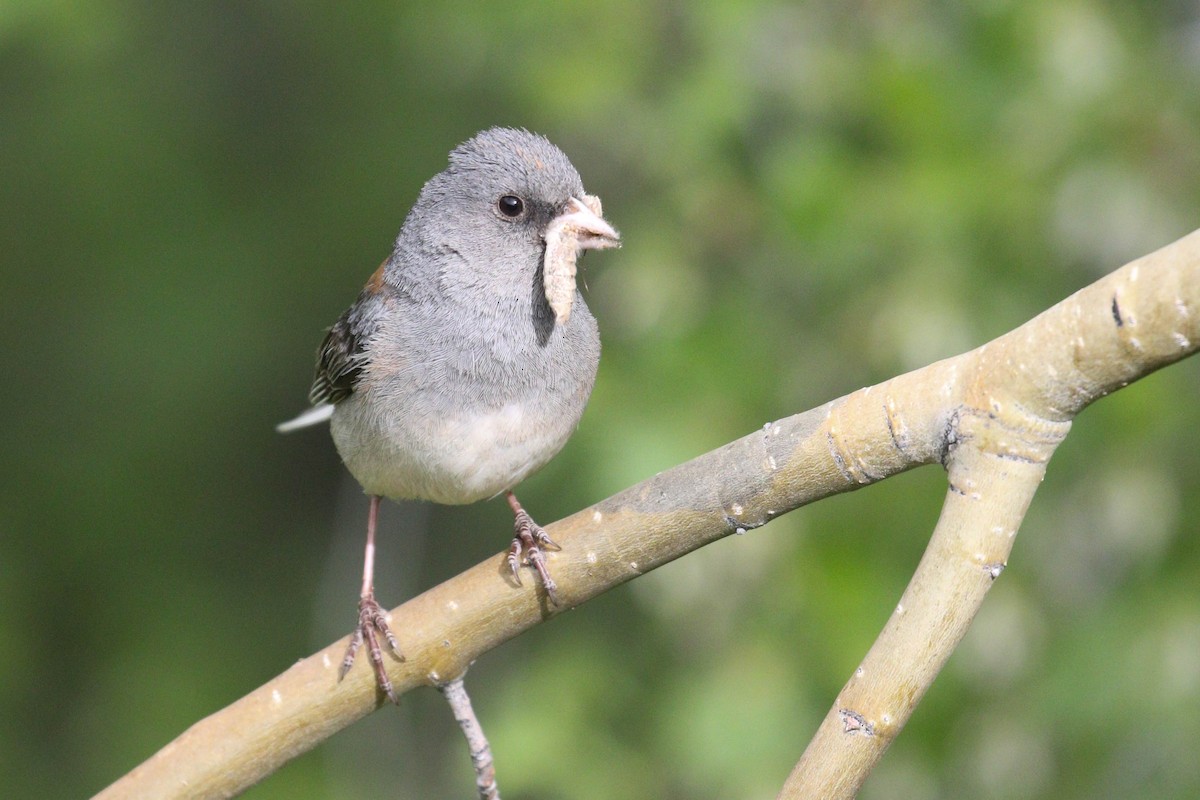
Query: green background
[813, 198]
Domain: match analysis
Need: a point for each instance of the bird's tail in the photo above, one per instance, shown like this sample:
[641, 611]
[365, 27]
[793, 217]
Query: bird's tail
[314, 416]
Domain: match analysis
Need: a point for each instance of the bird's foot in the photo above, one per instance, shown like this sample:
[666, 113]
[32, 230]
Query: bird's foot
[527, 547]
[372, 623]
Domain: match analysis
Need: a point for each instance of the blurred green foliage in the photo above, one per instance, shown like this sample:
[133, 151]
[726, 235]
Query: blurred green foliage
[813, 197]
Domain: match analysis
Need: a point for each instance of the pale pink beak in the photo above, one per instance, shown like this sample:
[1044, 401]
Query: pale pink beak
[585, 217]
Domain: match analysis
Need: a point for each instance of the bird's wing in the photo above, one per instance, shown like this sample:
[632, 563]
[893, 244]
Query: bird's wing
[342, 356]
[339, 363]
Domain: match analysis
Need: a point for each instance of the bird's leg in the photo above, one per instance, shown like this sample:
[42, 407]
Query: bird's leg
[529, 540]
[372, 620]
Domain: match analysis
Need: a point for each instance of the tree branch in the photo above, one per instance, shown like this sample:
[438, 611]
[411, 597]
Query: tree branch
[1011, 403]
[992, 416]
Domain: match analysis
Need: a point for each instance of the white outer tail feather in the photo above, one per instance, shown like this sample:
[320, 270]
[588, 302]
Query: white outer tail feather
[314, 416]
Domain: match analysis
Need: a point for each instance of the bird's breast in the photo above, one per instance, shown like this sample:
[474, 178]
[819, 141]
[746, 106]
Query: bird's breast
[459, 418]
[452, 446]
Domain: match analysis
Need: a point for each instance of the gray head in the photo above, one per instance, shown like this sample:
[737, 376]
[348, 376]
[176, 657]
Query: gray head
[508, 160]
[491, 210]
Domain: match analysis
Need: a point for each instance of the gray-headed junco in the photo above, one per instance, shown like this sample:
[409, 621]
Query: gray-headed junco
[465, 363]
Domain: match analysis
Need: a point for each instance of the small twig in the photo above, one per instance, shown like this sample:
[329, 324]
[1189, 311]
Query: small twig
[481, 752]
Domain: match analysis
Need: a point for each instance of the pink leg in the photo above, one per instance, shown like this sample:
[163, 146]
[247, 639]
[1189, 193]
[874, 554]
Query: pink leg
[372, 621]
[529, 541]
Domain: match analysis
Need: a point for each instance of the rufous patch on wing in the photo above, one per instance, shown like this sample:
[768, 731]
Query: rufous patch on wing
[375, 282]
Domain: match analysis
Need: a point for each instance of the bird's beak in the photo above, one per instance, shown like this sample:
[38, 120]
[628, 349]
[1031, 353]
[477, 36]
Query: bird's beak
[580, 227]
[585, 216]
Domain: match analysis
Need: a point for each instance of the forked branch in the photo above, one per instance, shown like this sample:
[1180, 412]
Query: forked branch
[992, 417]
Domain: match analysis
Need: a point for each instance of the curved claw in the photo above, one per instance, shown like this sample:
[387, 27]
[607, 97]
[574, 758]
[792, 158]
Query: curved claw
[372, 623]
[514, 559]
[527, 547]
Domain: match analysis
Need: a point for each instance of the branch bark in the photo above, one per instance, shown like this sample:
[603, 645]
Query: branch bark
[992, 417]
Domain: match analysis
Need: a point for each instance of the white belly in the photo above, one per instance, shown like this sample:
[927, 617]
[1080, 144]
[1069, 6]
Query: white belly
[452, 459]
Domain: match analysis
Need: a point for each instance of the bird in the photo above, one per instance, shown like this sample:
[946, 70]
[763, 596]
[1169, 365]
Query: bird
[466, 361]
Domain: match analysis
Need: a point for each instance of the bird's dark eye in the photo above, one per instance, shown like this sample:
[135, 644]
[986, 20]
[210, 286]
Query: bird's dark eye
[511, 206]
